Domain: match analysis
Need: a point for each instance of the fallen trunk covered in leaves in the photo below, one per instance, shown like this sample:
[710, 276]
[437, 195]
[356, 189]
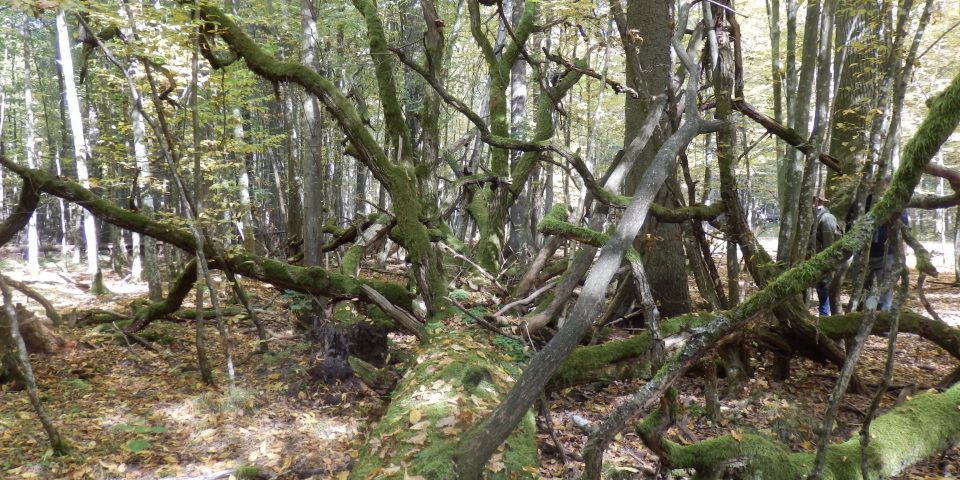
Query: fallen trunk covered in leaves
[38, 333]
[905, 435]
[458, 377]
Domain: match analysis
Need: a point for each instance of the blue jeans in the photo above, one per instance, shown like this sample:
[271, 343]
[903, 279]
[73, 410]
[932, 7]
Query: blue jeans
[880, 269]
[823, 294]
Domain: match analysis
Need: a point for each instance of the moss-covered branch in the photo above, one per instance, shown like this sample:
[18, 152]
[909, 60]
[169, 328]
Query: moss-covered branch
[383, 70]
[555, 224]
[941, 334]
[178, 292]
[610, 358]
[313, 280]
[927, 424]
[586, 361]
[340, 107]
[20, 216]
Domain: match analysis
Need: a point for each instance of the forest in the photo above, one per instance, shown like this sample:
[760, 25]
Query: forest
[464, 239]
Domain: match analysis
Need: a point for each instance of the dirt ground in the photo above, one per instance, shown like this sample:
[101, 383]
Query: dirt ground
[132, 413]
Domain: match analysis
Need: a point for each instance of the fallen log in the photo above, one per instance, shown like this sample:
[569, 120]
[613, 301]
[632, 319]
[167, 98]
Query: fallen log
[37, 332]
[617, 359]
[456, 378]
[921, 427]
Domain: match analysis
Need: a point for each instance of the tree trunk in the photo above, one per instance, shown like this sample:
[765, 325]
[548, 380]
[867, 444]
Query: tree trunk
[666, 269]
[925, 425]
[147, 201]
[12, 336]
[294, 220]
[465, 378]
[798, 118]
[30, 149]
[313, 159]
[80, 149]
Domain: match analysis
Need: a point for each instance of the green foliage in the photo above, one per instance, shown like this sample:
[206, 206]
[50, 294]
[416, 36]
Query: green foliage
[143, 432]
[278, 357]
[236, 399]
[139, 428]
[299, 303]
[137, 445]
[77, 385]
[248, 472]
[460, 295]
[476, 311]
[155, 333]
[509, 346]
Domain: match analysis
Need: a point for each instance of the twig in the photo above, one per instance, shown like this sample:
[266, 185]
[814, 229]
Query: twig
[400, 315]
[616, 86]
[480, 269]
[888, 366]
[526, 301]
[210, 476]
[922, 277]
[480, 320]
[548, 422]
[137, 338]
[944, 34]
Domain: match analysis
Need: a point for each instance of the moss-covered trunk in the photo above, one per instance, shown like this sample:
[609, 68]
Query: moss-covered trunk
[907, 434]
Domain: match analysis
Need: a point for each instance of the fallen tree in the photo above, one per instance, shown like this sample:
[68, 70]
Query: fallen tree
[925, 425]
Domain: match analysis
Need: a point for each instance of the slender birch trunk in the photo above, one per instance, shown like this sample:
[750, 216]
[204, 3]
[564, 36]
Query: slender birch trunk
[30, 150]
[80, 149]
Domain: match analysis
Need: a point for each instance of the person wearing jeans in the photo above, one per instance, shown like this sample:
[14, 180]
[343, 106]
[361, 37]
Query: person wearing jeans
[826, 231]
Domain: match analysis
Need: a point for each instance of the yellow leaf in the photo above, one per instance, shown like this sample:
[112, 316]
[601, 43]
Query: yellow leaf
[343, 475]
[736, 435]
[415, 416]
[419, 439]
[446, 422]
[420, 425]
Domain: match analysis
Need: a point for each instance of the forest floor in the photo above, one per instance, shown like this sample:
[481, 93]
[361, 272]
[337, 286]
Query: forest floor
[137, 414]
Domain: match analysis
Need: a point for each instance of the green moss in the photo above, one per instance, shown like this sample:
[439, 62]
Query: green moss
[926, 424]
[585, 362]
[248, 472]
[350, 265]
[455, 379]
[763, 459]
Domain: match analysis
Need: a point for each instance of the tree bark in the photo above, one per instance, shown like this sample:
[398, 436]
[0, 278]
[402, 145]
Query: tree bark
[30, 149]
[80, 150]
[666, 268]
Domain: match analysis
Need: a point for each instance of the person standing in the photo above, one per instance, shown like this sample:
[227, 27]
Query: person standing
[826, 231]
[883, 250]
